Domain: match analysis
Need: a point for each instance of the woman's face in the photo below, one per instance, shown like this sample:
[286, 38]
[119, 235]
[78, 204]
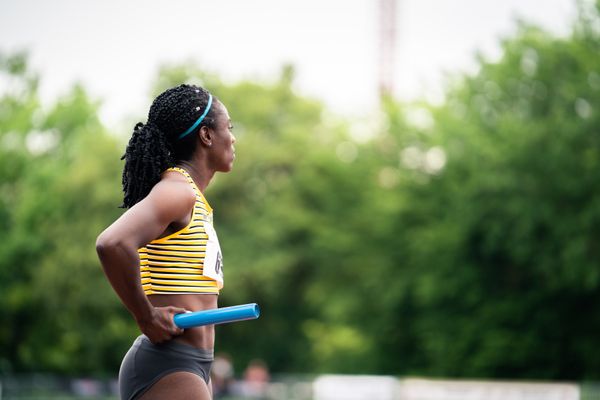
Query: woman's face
[222, 152]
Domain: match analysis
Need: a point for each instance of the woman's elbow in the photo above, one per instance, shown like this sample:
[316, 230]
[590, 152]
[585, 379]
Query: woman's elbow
[106, 244]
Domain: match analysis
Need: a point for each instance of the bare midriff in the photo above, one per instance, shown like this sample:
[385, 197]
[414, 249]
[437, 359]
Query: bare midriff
[202, 337]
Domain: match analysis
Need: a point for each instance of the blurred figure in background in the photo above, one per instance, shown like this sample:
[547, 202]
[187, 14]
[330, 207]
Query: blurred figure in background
[256, 380]
[222, 375]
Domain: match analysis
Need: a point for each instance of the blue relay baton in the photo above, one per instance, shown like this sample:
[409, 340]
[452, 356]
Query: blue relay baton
[217, 316]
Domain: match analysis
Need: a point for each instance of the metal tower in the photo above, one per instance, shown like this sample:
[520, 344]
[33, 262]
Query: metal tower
[387, 45]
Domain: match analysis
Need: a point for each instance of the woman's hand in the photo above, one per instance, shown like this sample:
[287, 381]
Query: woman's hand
[160, 326]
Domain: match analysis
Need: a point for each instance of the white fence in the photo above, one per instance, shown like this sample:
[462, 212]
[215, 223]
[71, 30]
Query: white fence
[324, 387]
[336, 387]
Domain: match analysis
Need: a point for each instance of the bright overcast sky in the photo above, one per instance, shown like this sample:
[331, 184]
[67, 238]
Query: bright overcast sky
[114, 47]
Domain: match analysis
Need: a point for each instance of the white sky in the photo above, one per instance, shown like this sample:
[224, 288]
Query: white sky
[114, 47]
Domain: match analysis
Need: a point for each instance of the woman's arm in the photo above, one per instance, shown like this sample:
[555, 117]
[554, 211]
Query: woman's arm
[170, 201]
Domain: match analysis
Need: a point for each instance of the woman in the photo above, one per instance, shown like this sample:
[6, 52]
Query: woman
[162, 256]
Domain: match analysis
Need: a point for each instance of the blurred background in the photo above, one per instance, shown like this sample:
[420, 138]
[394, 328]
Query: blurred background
[415, 202]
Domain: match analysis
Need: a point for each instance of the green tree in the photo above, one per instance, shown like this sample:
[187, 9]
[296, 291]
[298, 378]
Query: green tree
[501, 271]
[460, 240]
[56, 166]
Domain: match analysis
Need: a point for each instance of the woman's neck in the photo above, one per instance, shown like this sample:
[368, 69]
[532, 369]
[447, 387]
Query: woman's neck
[201, 175]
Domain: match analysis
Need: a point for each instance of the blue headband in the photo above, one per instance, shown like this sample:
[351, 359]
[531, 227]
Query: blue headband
[191, 129]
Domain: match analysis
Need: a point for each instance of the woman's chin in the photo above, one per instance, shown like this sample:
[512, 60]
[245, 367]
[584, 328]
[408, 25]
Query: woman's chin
[227, 168]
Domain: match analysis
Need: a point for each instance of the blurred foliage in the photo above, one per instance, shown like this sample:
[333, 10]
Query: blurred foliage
[458, 240]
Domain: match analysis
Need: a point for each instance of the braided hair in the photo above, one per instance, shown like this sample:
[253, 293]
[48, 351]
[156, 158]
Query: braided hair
[156, 146]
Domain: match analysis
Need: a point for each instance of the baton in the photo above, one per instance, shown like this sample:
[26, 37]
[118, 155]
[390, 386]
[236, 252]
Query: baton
[222, 315]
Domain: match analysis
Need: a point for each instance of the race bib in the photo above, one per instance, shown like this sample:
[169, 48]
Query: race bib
[213, 259]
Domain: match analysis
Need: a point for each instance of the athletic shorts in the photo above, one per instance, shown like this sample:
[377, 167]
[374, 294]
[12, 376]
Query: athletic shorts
[145, 363]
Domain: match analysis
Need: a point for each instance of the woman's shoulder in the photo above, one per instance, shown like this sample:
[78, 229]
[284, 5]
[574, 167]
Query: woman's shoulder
[173, 192]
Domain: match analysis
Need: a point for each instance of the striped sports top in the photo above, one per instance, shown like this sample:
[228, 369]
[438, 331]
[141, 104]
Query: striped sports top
[175, 264]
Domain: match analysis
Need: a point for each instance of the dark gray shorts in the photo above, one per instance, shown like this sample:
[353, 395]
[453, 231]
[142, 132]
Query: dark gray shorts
[145, 363]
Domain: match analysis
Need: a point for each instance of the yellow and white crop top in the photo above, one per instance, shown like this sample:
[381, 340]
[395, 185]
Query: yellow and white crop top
[187, 261]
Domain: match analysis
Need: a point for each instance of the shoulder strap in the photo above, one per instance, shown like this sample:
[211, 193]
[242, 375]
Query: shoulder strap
[191, 181]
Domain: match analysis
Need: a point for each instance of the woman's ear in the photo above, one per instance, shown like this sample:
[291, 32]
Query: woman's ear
[205, 136]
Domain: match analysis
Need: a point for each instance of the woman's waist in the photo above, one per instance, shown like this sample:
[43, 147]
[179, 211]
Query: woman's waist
[189, 301]
[177, 346]
[202, 337]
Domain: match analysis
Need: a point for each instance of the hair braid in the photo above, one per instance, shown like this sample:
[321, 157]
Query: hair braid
[155, 146]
